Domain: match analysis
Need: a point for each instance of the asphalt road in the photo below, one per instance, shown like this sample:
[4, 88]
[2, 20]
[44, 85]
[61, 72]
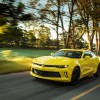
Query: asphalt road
[21, 86]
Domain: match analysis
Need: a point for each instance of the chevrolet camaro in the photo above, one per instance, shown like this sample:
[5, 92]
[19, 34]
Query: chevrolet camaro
[66, 65]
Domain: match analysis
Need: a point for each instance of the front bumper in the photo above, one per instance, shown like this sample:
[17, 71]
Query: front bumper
[51, 73]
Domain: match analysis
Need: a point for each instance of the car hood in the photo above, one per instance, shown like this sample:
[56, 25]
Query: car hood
[52, 60]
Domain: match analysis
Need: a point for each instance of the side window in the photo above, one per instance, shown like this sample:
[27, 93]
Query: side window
[87, 53]
[93, 55]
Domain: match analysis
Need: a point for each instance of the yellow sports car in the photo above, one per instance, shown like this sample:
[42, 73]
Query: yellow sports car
[66, 65]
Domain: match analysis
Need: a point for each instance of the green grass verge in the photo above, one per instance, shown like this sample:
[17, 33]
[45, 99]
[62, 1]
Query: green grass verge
[17, 64]
[17, 60]
[24, 52]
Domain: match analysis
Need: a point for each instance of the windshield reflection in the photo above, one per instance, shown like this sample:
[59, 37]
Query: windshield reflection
[69, 53]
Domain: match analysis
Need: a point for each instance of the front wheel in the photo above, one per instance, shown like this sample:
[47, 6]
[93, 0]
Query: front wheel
[97, 74]
[75, 75]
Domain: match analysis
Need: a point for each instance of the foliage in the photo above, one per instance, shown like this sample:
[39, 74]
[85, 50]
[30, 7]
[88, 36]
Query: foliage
[31, 37]
[11, 35]
[3, 20]
[43, 34]
[9, 12]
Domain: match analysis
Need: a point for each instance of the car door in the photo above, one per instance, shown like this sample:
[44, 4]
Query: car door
[87, 64]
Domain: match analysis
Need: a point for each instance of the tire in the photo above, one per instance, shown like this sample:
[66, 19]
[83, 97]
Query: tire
[97, 74]
[75, 75]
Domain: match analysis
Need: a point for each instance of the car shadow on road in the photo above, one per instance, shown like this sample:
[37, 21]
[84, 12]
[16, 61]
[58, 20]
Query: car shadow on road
[82, 82]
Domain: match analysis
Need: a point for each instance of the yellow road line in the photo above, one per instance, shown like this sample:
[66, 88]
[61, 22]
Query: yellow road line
[86, 92]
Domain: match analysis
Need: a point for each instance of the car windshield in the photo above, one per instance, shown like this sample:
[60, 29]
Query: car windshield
[69, 53]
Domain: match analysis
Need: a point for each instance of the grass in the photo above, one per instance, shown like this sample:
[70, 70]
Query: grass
[17, 60]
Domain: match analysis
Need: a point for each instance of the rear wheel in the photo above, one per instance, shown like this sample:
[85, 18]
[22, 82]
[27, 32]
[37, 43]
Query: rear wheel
[97, 74]
[75, 75]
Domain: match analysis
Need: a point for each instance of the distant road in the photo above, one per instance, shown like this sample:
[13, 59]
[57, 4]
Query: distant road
[21, 86]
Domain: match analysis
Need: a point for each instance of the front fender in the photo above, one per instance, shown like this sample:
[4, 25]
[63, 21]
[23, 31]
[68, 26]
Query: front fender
[73, 64]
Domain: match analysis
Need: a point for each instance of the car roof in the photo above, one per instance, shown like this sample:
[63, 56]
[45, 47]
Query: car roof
[75, 49]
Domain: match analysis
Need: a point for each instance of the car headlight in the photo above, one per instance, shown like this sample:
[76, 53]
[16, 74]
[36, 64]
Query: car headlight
[63, 66]
[66, 66]
[37, 64]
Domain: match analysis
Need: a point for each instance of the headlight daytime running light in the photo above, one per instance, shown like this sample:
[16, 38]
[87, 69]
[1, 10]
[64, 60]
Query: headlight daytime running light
[63, 66]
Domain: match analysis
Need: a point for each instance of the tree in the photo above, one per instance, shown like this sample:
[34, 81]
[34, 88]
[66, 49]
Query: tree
[11, 13]
[12, 35]
[55, 12]
[89, 11]
[50, 13]
[31, 37]
[43, 34]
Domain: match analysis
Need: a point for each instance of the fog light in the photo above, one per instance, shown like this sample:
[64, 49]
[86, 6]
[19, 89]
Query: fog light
[65, 74]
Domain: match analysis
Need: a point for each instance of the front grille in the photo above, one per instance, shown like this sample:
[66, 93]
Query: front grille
[46, 73]
[57, 66]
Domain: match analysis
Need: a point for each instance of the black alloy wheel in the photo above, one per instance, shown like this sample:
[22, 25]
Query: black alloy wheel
[75, 75]
[97, 74]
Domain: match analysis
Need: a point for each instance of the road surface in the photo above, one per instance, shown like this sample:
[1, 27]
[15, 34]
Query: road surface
[22, 86]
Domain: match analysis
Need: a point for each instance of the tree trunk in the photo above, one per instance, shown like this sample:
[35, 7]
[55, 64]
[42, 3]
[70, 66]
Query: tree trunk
[89, 38]
[98, 42]
[71, 10]
[64, 35]
[58, 13]
[57, 38]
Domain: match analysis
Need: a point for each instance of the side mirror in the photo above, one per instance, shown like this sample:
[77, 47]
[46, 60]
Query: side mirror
[87, 57]
[52, 54]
